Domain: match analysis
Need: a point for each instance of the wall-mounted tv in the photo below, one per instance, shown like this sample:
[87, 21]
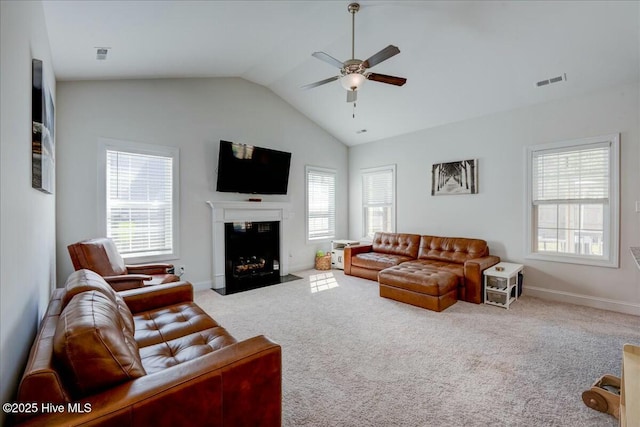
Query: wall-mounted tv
[252, 170]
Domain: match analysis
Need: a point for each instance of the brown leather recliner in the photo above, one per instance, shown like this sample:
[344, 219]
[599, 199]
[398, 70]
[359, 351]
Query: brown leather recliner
[102, 256]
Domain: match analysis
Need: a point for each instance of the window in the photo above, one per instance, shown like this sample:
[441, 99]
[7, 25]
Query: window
[140, 199]
[378, 200]
[573, 193]
[321, 203]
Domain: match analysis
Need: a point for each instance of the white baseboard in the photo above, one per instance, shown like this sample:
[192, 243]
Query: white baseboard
[199, 286]
[588, 301]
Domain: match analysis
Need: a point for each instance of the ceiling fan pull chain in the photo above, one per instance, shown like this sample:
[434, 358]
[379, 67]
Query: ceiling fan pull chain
[354, 110]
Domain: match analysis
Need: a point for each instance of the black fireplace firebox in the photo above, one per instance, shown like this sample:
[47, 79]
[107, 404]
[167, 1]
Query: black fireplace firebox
[252, 251]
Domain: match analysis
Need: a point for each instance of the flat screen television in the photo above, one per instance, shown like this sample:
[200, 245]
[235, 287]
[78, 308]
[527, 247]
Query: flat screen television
[252, 170]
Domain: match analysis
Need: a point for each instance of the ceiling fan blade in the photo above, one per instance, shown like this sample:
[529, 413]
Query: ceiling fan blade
[321, 82]
[383, 55]
[383, 78]
[352, 96]
[328, 59]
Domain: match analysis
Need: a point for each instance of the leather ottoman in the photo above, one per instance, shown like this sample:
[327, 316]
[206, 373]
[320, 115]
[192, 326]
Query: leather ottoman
[418, 285]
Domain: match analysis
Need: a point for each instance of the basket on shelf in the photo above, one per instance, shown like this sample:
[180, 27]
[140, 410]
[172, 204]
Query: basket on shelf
[323, 262]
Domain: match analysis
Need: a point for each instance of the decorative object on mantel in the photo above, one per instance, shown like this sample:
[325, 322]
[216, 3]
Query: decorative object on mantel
[42, 130]
[459, 177]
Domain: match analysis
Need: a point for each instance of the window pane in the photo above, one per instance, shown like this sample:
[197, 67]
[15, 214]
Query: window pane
[593, 217]
[548, 240]
[377, 219]
[548, 216]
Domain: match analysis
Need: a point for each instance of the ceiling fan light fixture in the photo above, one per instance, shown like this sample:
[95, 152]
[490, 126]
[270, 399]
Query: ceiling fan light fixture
[352, 81]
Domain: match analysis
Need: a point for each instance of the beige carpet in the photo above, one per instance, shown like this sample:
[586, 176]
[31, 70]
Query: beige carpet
[352, 358]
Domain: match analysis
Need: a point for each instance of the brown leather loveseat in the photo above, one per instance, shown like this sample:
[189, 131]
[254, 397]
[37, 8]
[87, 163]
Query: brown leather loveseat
[427, 271]
[144, 357]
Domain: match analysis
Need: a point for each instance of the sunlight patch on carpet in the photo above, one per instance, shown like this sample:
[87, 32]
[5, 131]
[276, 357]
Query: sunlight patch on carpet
[322, 282]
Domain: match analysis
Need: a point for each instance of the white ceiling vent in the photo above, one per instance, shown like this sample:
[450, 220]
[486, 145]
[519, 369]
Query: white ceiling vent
[101, 53]
[562, 78]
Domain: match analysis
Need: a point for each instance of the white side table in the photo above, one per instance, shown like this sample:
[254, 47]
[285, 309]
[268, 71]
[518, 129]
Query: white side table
[501, 287]
[337, 252]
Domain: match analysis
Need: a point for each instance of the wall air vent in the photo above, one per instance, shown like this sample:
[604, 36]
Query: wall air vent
[562, 78]
[101, 53]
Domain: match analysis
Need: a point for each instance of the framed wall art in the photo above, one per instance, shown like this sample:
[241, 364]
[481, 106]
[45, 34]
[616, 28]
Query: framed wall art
[42, 129]
[459, 177]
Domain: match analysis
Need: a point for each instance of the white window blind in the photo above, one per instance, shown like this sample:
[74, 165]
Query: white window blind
[378, 200]
[321, 203]
[139, 205]
[572, 175]
[574, 201]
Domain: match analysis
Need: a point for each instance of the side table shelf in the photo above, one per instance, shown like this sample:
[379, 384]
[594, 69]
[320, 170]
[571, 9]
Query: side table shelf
[501, 288]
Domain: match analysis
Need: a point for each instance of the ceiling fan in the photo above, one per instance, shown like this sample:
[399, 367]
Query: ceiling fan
[353, 72]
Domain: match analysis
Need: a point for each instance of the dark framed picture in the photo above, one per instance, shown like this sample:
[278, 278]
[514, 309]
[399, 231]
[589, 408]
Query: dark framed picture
[459, 177]
[42, 129]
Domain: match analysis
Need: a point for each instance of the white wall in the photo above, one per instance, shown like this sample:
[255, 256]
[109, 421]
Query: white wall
[27, 219]
[193, 115]
[496, 214]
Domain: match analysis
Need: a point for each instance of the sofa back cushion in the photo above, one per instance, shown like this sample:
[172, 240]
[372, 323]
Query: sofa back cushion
[396, 244]
[87, 280]
[93, 346]
[452, 249]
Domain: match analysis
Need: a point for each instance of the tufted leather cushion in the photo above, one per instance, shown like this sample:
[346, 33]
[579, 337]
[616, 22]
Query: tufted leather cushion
[419, 278]
[94, 345]
[158, 357]
[452, 249]
[155, 326]
[377, 261]
[87, 280]
[397, 244]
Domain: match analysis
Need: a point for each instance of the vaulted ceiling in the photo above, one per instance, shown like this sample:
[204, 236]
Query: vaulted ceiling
[462, 59]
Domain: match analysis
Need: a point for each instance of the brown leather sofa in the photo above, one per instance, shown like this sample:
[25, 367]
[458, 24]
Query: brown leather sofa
[144, 357]
[102, 256]
[418, 269]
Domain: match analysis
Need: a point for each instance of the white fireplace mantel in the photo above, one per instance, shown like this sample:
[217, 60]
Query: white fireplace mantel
[227, 211]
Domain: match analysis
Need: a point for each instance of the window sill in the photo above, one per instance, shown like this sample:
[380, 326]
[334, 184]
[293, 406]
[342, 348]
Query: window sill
[568, 259]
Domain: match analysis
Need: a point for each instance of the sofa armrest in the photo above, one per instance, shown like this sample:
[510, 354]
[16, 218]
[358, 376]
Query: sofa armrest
[473, 269]
[156, 268]
[240, 384]
[156, 296]
[350, 251]
[126, 281]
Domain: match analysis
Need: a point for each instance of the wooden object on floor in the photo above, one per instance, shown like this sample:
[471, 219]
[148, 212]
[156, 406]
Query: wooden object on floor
[630, 391]
[604, 395]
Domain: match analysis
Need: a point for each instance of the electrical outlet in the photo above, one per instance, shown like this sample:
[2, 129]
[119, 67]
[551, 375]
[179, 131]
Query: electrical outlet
[181, 270]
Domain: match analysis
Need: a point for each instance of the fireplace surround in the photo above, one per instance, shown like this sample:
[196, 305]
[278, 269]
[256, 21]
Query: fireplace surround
[224, 214]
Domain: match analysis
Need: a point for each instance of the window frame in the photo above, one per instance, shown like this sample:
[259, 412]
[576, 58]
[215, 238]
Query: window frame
[611, 226]
[308, 169]
[108, 144]
[374, 170]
